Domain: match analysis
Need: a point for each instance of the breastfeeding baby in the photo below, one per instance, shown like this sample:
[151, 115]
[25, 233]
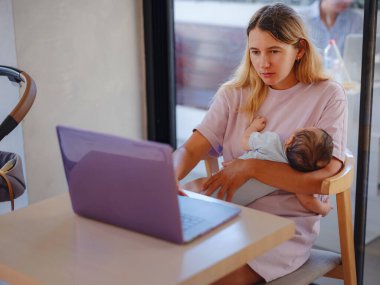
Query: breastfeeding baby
[306, 149]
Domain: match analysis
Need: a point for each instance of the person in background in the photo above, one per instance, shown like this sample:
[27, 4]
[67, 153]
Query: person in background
[332, 19]
[281, 78]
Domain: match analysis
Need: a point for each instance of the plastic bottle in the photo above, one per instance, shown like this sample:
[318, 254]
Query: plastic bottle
[332, 61]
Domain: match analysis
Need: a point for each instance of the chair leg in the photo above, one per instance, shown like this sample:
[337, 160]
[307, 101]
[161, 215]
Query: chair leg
[343, 201]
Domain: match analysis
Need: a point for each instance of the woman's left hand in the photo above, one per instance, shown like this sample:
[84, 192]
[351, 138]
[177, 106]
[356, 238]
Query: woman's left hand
[234, 174]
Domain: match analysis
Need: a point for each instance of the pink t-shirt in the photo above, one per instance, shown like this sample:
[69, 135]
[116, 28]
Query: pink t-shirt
[322, 105]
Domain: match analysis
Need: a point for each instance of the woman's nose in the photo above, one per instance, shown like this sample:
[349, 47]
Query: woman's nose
[264, 62]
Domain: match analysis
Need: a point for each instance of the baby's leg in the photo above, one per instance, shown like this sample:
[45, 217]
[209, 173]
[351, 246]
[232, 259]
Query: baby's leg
[311, 203]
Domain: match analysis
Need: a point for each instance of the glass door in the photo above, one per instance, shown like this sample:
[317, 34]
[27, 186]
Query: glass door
[209, 42]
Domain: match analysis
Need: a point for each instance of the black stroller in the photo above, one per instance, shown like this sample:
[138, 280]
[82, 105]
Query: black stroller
[12, 183]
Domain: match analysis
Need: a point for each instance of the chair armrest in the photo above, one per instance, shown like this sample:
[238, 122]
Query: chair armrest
[342, 181]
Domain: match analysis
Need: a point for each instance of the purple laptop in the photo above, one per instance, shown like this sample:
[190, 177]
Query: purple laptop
[131, 184]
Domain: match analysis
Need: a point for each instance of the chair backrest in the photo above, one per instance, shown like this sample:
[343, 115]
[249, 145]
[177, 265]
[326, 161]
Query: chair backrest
[339, 185]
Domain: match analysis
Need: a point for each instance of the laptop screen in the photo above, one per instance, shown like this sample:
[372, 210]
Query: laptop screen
[131, 184]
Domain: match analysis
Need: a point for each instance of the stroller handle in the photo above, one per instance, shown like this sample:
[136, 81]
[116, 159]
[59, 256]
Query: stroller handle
[25, 102]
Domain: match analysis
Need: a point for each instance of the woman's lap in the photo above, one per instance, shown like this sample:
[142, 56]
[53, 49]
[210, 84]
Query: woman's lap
[290, 255]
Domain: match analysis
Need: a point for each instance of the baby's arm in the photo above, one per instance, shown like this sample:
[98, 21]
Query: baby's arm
[257, 125]
[312, 204]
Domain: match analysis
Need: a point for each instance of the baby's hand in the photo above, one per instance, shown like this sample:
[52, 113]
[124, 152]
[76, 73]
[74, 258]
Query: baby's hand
[258, 123]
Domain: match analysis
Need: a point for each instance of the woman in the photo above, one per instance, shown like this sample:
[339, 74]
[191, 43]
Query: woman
[281, 79]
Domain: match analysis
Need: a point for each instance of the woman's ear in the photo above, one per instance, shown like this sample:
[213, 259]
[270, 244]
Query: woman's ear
[301, 48]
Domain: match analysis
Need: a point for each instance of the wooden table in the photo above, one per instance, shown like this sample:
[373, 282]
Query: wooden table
[46, 243]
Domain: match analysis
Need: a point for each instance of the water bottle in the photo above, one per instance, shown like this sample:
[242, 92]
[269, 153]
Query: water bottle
[332, 61]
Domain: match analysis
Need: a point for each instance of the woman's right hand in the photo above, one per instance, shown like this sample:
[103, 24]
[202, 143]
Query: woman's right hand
[234, 174]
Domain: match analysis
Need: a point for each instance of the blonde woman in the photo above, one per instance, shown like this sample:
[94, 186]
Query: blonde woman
[280, 78]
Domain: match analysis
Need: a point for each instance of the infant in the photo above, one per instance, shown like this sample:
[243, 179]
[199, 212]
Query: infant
[305, 150]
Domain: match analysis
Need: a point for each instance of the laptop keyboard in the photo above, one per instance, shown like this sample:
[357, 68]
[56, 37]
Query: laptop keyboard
[189, 221]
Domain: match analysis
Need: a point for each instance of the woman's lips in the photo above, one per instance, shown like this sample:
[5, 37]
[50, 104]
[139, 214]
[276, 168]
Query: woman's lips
[267, 74]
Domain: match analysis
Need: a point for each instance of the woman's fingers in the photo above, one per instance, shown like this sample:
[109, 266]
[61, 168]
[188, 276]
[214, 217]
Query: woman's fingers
[210, 181]
[230, 194]
[222, 192]
[225, 182]
[212, 184]
[181, 193]
[228, 180]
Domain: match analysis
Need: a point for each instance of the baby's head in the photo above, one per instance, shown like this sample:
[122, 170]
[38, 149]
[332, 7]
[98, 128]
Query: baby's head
[309, 149]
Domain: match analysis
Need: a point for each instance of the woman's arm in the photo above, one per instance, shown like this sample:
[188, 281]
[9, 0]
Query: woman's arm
[186, 157]
[276, 174]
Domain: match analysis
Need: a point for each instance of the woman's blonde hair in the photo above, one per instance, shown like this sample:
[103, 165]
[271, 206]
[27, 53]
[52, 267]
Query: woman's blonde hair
[285, 25]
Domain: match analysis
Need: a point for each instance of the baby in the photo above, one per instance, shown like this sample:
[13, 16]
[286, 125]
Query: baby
[305, 150]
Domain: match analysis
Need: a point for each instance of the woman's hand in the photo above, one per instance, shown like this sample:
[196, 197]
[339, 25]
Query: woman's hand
[179, 190]
[234, 174]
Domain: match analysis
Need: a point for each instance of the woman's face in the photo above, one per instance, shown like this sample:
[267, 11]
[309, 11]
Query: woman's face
[273, 60]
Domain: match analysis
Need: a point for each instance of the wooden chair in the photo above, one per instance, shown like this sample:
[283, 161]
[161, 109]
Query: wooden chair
[322, 262]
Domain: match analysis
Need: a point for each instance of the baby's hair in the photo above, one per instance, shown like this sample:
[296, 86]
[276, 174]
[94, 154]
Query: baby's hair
[310, 151]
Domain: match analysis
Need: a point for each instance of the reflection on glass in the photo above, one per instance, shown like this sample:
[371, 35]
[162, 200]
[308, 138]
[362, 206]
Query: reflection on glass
[210, 40]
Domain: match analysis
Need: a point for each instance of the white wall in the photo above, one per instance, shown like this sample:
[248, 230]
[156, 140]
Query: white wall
[86, 57]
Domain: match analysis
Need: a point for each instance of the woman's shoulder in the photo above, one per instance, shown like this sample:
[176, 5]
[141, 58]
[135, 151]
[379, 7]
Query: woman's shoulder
[233, 95]
[329, 88]
[230, 90]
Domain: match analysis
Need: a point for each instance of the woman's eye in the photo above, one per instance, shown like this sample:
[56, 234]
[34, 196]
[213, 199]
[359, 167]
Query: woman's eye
[255, 52]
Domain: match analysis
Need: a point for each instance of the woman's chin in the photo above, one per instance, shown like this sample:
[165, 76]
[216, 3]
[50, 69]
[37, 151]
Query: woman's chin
[268, 81]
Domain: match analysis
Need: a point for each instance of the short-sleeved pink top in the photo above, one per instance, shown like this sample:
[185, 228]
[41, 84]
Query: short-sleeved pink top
[322, 105]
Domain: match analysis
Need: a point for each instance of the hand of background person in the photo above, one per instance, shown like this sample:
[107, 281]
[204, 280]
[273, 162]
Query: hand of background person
[234, 174]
